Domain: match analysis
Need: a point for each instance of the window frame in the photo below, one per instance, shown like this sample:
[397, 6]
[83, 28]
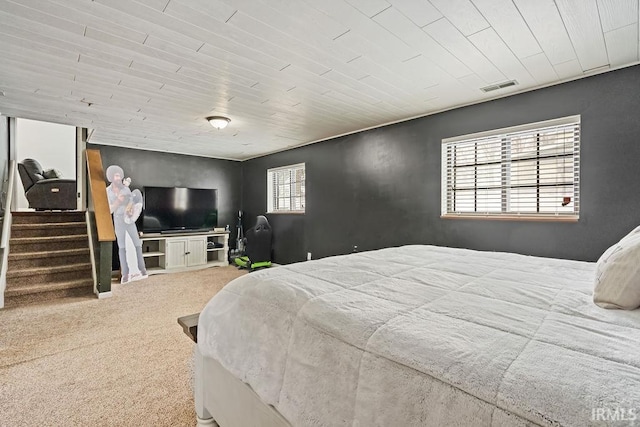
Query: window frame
[271, 196]
[505, 136]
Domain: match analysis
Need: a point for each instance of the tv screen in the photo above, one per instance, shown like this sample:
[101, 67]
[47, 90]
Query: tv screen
[175, 209]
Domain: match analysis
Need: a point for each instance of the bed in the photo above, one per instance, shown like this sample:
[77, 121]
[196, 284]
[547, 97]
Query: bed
[417, 336]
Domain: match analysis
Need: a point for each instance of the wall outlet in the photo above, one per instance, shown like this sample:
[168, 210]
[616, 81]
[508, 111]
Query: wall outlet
[308, 256]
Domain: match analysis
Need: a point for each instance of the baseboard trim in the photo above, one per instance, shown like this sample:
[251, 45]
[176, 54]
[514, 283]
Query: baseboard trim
[206, 422]
[102, 295]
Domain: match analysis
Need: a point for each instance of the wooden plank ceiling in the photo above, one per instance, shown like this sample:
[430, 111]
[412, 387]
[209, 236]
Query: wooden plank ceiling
[146, 73]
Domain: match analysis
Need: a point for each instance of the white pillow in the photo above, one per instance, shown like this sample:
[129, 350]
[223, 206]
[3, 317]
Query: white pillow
[610, 249]
[617, 281]
[632, 233]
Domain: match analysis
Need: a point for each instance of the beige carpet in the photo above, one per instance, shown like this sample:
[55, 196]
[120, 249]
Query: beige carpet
[120, 361]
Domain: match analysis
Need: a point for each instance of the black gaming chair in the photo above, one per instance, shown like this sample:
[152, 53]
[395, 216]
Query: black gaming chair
[257, 246]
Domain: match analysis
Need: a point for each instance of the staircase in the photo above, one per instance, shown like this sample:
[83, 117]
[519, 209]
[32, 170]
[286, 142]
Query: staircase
[49, 257]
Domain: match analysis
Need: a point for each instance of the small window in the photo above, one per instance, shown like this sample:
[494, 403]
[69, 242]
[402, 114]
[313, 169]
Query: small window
[285, 189]
[525, 172]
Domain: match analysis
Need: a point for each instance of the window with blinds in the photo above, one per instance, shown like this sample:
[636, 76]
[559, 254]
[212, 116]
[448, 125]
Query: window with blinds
[285, 189]
[526, 171]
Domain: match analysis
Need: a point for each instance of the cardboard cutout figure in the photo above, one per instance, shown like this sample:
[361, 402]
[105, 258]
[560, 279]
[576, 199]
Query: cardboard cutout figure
[122, 204]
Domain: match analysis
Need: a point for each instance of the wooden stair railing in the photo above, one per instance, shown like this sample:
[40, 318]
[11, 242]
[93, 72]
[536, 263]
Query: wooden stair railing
[6, 229]
[101, 218]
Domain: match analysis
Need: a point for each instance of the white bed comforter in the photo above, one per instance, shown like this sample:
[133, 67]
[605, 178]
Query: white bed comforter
[424, 335]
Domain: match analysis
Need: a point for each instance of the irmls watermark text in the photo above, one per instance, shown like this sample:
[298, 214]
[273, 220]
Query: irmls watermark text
[615, 414]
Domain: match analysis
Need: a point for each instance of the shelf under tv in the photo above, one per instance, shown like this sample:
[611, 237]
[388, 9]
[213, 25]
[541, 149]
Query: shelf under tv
[187, 230]
[181, 251]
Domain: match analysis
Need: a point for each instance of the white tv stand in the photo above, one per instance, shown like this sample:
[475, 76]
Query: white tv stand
[169, 253]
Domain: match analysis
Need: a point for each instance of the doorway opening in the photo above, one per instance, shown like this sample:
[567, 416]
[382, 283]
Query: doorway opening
[52, 145]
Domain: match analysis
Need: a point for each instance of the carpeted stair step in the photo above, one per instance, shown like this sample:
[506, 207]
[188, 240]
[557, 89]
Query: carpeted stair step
[45, 275]
[41, 217]
[29, 294]
[18, 261]
[39, 244]
[49, 229]
[49, 257]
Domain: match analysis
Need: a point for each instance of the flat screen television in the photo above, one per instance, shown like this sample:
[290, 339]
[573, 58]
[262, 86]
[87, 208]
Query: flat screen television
[175, 209]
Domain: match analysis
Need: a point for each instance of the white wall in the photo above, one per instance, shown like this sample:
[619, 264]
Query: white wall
[52, 145]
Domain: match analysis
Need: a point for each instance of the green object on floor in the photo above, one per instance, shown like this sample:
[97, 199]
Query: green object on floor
[261, 264]
[245, 262]
[242, 261]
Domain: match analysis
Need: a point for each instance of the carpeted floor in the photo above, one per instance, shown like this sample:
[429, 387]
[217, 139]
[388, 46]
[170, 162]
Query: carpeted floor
[120, 361]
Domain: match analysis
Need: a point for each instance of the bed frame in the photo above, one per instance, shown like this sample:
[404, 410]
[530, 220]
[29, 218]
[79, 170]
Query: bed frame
[223, 400]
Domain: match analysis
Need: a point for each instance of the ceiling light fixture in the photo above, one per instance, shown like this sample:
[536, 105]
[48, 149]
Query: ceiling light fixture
[218, 122]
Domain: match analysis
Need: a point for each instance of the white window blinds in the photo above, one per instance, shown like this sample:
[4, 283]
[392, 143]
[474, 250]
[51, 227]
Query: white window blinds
[286, 189]
[531, 170]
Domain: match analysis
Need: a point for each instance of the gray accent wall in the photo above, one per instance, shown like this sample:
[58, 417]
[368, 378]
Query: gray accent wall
[152, 168]
[381, 187]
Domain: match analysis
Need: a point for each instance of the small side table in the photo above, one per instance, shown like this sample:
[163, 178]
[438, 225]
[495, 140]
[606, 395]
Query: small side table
[190, 325]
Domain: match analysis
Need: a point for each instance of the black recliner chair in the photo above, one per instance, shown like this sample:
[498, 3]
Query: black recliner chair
[257, 246]
[44, 190]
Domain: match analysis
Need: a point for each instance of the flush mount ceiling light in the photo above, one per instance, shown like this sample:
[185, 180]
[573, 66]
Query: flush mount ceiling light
[218, 122]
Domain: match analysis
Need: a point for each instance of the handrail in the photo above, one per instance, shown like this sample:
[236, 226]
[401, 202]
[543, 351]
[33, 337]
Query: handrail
[6, 223]
[6, 229]
[98, 189]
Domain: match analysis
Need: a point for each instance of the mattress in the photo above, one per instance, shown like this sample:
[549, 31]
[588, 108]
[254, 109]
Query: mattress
[425, 335]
